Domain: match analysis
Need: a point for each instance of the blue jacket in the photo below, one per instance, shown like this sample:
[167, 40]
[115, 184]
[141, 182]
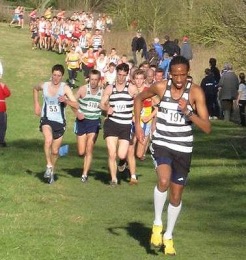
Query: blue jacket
[158, 49]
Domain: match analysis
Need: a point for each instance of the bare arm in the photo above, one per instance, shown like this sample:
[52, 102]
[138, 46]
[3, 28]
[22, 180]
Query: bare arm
[104, 105]
[81, 93]
[36, 89]
[68, 98]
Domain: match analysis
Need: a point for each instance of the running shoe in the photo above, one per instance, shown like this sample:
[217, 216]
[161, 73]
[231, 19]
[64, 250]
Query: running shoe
[121, 165]
[84, 178]
[168, 247]
[113, 183]
[48, 172]
[156, 236]
[52, 178]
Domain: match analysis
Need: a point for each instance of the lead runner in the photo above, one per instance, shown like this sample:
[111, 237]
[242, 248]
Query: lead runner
[181, 104]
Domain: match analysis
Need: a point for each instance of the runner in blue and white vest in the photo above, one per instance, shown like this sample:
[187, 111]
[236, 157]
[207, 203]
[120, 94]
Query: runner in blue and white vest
[56, 96]
[181, 103]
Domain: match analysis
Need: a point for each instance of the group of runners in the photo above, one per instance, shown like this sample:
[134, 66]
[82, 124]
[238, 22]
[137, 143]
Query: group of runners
[136, 107]
[18, 17]
[58, 32]
[164, 111]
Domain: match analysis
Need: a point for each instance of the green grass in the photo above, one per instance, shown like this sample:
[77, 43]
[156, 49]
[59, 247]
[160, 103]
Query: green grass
[69, 220]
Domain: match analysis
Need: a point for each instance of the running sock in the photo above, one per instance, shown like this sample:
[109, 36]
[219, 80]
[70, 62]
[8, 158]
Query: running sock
[159, 201]
[172, 215]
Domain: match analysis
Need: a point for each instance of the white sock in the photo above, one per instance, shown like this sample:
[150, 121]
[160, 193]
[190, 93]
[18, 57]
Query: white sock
[172, 215]
[159, 201]
[133, 176]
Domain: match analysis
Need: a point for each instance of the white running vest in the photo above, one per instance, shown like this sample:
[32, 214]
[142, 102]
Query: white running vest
[122, 104]
[173, 129]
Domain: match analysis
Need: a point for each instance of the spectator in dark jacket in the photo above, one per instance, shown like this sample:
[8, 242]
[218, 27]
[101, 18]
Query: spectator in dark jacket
[139, 48]
[214, 69]
[210, 89]
[168, 46]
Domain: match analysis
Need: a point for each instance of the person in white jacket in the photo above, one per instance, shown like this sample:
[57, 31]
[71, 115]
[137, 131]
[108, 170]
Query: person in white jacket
[1, 69]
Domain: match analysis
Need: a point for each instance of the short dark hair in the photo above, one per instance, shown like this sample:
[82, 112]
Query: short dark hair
[58, 67]
[159, 70]
[212, 61]
[112, 64]
[95, 72]
[123, 66]
[242, 77]
[179, 60]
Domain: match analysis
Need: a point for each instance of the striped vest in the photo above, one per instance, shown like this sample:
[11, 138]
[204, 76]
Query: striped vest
[89, 105]
[96, 42]
[122, 104]
[173, 129]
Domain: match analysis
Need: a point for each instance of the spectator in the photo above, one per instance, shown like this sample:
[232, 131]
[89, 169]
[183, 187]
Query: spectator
[4, 93]
[241, 99]
[1, 69]
[228, 87]
[214, 69]
[216, 72]
[109, 23]
[168, 46]
[176, 47]
[139, 48]
[185, 49]
[210, 89]
[158, 48]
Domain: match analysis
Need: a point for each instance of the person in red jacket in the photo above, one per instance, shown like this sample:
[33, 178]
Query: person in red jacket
[4, 93]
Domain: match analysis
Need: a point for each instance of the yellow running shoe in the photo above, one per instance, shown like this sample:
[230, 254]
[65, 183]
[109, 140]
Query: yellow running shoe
[156, 237]
[168, 247]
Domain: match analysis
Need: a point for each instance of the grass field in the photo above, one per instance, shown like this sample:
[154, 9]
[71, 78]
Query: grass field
[70, 220]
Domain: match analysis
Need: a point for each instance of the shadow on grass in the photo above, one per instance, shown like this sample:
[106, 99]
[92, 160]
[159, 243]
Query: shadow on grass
[101, 176]
[139, 232]
[40, 175]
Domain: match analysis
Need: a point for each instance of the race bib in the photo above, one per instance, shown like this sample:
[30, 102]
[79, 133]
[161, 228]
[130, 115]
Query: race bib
[174, 117]
[120, 107]
[92, 105]
[54, 108]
